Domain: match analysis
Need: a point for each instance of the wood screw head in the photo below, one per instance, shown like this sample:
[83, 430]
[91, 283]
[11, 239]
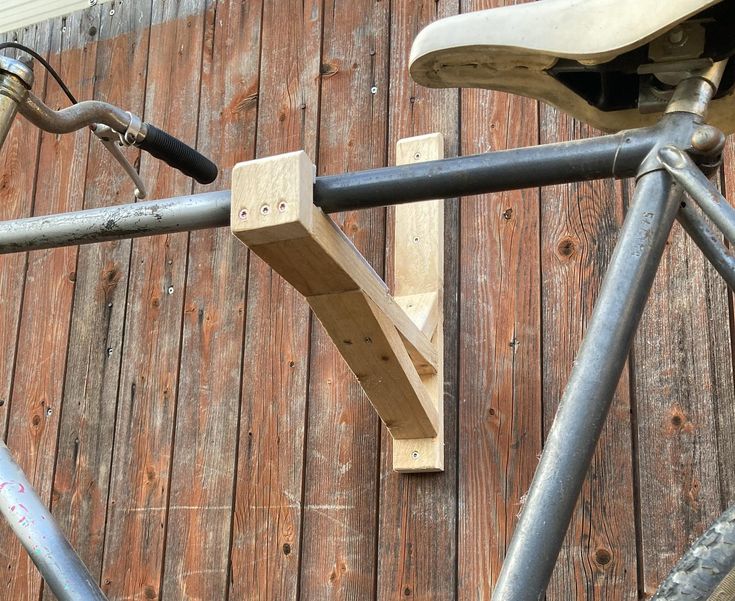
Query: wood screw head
[282, 207]
[264, 210]
[415, 455]
[243, 214]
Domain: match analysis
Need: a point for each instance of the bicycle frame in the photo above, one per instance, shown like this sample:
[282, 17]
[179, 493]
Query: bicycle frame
[571, 442]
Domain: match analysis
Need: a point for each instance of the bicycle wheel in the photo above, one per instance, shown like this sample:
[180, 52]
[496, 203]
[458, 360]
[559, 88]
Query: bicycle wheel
[707, 571]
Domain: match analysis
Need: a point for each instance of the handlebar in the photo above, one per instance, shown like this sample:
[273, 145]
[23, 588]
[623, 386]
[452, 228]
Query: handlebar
[145, 136]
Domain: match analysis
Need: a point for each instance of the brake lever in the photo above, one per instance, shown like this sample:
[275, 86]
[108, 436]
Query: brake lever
[110, 138]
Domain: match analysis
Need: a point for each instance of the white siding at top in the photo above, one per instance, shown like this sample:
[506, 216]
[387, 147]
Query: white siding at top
[15, 14]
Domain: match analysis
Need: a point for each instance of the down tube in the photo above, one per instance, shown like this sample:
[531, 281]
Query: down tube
[584, 406]
[41, 537]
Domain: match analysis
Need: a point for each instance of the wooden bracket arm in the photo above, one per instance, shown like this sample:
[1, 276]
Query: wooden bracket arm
[389, 343]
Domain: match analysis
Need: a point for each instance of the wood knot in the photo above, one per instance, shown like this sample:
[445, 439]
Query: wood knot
[328, 69]
[679, 422]
[286, 549]
[150, 592]
[603, 556]
[566, 247]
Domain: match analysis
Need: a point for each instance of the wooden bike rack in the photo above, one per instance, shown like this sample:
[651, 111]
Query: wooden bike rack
[392, 342]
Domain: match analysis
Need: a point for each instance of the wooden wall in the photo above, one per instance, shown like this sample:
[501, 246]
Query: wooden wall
[191, 425]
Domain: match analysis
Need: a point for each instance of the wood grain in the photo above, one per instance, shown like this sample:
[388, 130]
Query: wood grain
[240, 456]
[343, 431]
[416, 546]
[500, 379]
[139, 487]
[204, 459]
[579, 229]
[18, 174]
[44, 328]
[86, 430]
[266, 545]
[684, 393]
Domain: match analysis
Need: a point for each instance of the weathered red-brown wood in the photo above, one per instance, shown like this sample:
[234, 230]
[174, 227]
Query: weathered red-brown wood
[204, 459]
[141, 468]
[44, 327]
[318, 512]
[87, 425]
[417, 513]
[725, 418]
[684, 392]
[18, 170]
[500, 371]
[579, 229]
[266, 548]
[338, 552]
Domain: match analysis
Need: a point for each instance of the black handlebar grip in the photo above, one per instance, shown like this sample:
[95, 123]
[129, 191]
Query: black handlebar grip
[179, 155]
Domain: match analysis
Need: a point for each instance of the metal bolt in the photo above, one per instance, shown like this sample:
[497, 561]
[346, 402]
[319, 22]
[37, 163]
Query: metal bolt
[415, 455]
[374, 90]
[243, 214]
[170, 289]
[264, 210]
[707, 139]
[282, 207]
[112, 11]
[677, 36]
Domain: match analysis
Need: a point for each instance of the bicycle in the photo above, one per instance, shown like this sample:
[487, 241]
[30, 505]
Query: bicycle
[667, 158]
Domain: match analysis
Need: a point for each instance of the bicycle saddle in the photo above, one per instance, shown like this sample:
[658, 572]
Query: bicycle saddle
[610, 63]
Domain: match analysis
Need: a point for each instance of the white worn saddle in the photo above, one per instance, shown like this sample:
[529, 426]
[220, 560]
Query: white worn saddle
[610, 63]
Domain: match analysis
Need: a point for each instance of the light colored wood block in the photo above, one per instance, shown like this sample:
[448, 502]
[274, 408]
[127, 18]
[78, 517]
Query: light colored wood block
[418, 256]
[271, 198]
[370, 344]
[273, 213]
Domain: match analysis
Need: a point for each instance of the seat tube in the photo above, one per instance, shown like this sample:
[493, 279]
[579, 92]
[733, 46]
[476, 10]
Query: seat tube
[573, 437]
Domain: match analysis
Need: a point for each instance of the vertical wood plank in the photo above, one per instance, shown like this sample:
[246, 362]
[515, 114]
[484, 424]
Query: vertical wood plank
[203, 471]
[139, 488]
[38, 383]
[684, 393]
[343, 430]
[84, 455]
[725, 415]
[18, 169]
[500, 379]
[579, 230]
[266, 547]
[416, 546]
